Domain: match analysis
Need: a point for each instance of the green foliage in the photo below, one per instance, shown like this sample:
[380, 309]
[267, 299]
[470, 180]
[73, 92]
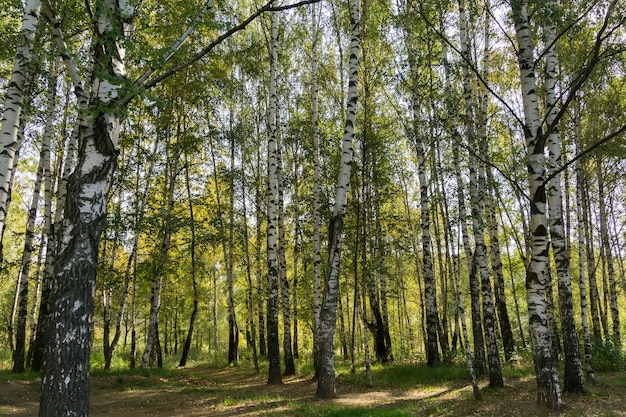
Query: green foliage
[608, 356]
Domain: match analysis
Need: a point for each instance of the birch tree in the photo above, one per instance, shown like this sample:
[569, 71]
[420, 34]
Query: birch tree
[66, 364]
[12, 108]
[273, 352]
[317, 219]
[21, 295]
[548, 385]
[328, 314]
[573, 375]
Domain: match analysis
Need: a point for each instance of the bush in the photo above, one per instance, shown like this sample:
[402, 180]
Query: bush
[608, 356]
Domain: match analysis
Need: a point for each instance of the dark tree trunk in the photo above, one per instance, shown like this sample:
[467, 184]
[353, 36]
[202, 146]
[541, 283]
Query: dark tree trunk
[65, 381]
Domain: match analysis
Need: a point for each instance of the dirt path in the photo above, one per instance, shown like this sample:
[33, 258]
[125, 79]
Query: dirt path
[204, 391]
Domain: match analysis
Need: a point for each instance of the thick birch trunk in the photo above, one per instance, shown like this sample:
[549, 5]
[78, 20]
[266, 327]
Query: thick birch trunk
[13, 102]
[65, 381]
[317, 219]
[476, 260]
[548, 386]
[328, 314]
[273, 351]
[53, 237]
[573, 380]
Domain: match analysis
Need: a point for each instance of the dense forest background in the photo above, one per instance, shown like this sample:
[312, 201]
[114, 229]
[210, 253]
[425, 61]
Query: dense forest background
[229, 126]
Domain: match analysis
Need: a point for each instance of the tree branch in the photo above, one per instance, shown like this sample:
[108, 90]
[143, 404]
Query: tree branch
[470, 65]
[585, 152]
[64, 52]
[268, 7]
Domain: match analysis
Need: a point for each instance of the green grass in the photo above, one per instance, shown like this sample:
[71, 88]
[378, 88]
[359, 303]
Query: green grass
[7, 375]
[404, 376]
[314, 410]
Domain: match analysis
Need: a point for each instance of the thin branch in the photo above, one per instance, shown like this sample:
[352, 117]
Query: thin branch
[563, 32]
[72, 69]
[470, 64]
[176, 45]
[585, 72]
[585, 152]
[200, 54]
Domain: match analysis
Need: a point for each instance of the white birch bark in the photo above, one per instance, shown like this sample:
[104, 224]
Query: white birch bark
[13, 102]
[476, 187]
[24, 273]
[548, 386]
[468, 348]
[65, 381]
[258, 272]
[573, 380]
[328, 315]
[584, 315]
[317, 219]
[53, 238]
[273, 353]
[290, 368]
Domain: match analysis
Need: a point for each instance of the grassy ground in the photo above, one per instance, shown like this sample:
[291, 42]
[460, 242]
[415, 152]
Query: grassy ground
[399, 390]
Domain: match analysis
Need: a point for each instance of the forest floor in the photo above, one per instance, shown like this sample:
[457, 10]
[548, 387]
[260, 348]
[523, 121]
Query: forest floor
[400, 390]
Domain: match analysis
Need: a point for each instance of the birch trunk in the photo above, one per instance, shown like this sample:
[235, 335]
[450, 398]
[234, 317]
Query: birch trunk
[233, 328]
[273, 351]
[475, 261]
[478, 187]
[290, 367]
[608, 253]
[259, 275]
[573, 380]
[317, 219]
[468, 348]
[594, 298]
[496, 267]
[548, 386]
[152, 339]
[477, 324]
[53, 237]
[297, 248]
[43, 168]
[192, 250]
[328, 314]
[65, 381]
[246, 245]
[13, 103]
[584, 315]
